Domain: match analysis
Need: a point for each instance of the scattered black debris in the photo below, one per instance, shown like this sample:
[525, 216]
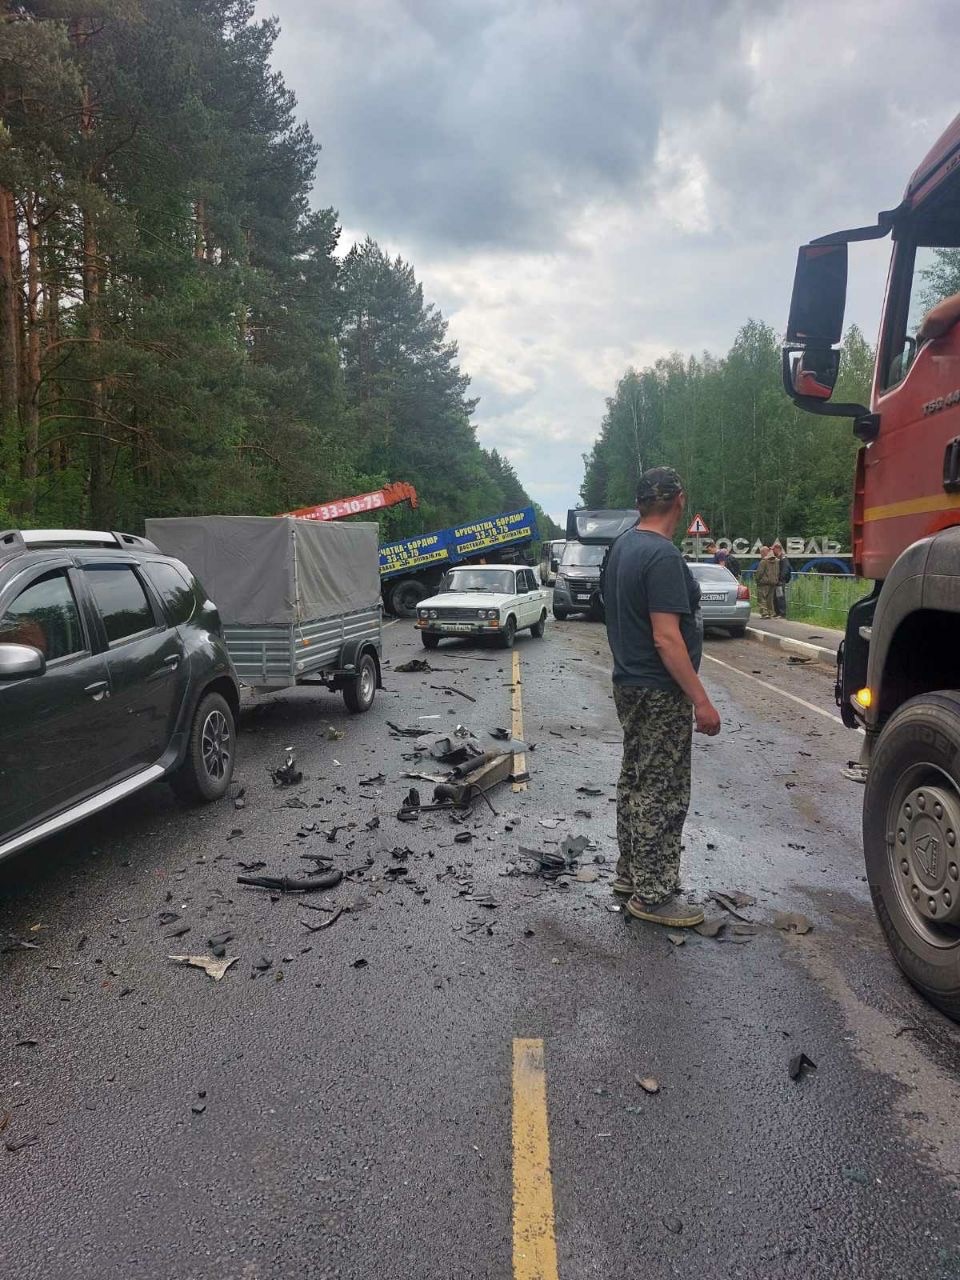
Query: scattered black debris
[589, 791]
[238, 800]
[449, 688]
[263, 964]
[375, 781]
[167, 917]
[417, 732]
[359, 963]
[179, 932]
[373, 824]
[331, 835]
[287, 775]
[294, 803]
[414, 665]
[792, 922]
[17, 1144]
[27, 1044]
[502, 735]
[198, 1108]
[218, 944]
[463, 837]
[799, 1064]
[236, 834]
[284, 884]
[467, 753]
[796, 661]
[324, 924]
[251, 866]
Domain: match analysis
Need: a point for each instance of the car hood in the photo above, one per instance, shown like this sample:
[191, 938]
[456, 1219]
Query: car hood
[464, 600]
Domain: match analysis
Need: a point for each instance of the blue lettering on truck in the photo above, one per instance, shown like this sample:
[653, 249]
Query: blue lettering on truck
[448, 546]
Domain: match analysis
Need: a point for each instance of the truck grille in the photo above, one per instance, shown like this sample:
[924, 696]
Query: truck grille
[583, 584]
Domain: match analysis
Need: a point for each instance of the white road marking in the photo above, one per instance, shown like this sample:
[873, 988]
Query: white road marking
[773, 689]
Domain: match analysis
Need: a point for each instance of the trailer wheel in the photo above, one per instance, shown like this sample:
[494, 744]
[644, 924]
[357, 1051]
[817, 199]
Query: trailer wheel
[428, 640]
[911, 843]
[405, 597]
[360, 692]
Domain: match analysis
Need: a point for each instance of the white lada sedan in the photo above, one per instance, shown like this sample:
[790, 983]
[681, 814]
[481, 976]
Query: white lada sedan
[484, 600]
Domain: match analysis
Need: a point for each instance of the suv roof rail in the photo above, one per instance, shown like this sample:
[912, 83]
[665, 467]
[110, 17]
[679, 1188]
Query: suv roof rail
[18, 540]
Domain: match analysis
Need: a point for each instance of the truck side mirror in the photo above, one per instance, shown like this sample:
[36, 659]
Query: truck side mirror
[819, 295]
[814, 372]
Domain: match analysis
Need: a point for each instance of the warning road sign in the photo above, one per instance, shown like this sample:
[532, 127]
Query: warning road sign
[699, 526]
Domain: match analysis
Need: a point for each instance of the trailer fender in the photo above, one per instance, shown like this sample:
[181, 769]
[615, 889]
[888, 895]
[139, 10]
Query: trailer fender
[350, 655]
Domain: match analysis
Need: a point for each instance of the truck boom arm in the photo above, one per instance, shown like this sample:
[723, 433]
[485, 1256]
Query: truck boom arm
[338, 508]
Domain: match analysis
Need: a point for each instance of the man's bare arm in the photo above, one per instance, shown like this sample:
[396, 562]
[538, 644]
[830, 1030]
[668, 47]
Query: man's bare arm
[673, 654]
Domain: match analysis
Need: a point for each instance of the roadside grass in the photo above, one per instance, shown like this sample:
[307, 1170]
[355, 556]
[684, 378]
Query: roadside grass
[821, 598]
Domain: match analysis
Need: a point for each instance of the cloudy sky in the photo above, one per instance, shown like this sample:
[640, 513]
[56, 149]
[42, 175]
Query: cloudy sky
[582, 185]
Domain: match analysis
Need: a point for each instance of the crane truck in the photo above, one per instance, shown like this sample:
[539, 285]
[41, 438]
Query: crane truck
[898, 669]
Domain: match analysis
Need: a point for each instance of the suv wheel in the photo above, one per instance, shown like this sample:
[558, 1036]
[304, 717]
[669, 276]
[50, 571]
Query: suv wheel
[208, 766]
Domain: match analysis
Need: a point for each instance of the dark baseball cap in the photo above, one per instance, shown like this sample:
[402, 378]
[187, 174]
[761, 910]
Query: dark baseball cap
[658, 485]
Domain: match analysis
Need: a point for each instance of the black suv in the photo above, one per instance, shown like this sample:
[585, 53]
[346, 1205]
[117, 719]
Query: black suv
[113, 673]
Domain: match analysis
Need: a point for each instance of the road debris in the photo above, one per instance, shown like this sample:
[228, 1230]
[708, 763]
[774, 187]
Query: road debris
[792, 922]
[711, 928]
[334, 734]
[359, 963]
[732, 901]
[284, 884]
[287, 775]
[375, 781]
[211, 966]
[17, 1144]
[418, 732]
[324, 924]
[449, 688]
[649, 1084]
[799, 1064]
[678, 939]
[414, 665]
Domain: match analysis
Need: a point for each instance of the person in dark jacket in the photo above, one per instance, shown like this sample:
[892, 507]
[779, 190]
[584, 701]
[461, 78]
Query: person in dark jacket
[785, 574]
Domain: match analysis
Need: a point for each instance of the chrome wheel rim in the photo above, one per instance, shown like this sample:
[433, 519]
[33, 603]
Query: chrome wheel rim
[215, 745]
[367, 683]
[923, 848]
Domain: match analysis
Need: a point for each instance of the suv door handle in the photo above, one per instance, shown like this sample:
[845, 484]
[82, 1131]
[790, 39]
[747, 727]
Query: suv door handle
[99, 689]
[951, 466]
[173, 661]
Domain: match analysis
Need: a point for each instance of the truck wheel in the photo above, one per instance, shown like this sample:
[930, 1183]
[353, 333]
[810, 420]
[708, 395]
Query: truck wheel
[561, 615]
[360, 692]
[911, 843]
[736, 633]
[405, 597]
[429, 641]
[509, 633]
[538, 627]
[208, 765]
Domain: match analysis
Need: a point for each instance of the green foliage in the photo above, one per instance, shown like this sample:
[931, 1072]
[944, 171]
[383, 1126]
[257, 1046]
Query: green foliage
[183, 336]
[754, 465]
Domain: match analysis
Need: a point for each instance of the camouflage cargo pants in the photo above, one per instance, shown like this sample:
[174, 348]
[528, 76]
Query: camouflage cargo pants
[653, 793]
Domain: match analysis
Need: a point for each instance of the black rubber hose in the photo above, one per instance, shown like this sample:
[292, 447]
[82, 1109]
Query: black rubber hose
[329, 880]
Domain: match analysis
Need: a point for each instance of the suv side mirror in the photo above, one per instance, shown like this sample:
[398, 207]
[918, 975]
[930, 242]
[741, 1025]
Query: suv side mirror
[19, 660]
[819, 295]
[814, 372]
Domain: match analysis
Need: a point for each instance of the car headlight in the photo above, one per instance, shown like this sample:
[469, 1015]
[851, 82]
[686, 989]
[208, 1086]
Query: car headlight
[423, 613]
[433, 613]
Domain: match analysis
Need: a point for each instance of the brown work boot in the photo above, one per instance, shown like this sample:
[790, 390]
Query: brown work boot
[673, 912]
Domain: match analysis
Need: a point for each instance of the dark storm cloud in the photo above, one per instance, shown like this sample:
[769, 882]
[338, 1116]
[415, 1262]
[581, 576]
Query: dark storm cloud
[473, 124]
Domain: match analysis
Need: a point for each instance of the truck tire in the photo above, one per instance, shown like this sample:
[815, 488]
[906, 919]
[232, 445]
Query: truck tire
[207, 767]
[561, 615]
[911, 842]
[509, 633]
[359, 693]
[405, 597]
[538, 627]
[428, 640]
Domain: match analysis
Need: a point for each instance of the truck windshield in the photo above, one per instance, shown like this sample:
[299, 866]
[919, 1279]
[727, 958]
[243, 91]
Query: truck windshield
[498, 582]
[577, 554]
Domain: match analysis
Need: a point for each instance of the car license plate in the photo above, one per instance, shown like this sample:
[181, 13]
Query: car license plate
[583, 597]
[457, 626]
[713, 597]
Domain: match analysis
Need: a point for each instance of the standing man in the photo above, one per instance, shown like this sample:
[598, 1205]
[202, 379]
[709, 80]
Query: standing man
[785, 574]
[656, 637]
[767, 577]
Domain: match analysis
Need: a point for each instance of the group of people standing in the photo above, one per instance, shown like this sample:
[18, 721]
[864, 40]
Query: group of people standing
[773, 573]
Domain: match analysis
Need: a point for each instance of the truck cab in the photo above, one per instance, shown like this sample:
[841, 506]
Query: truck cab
[590, 533]
[899, 666]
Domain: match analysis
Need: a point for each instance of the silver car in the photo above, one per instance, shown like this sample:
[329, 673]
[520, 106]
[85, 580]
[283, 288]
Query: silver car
[724, 602]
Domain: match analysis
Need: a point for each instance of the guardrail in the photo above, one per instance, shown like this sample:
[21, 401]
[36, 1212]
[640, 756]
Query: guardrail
[824, 598]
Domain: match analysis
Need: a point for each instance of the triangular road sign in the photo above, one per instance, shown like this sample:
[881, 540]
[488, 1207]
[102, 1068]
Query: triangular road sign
[699, 526]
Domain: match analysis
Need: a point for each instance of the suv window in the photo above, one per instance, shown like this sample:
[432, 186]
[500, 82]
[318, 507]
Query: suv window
[45, 615]
[173, 589]
[121, 599]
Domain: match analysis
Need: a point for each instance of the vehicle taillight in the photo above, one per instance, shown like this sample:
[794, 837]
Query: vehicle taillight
[743, 593]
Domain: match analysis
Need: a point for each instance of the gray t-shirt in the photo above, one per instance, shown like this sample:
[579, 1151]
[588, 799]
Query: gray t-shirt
[646, 574]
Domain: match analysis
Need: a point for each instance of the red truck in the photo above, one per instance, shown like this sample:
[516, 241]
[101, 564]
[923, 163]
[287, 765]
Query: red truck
[899, 664]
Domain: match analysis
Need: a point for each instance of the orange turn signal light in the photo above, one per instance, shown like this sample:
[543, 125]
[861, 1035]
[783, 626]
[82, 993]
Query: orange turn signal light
[864, 697]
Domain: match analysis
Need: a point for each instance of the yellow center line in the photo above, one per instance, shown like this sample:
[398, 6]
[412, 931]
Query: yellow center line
[519, 757]
[534, 1241]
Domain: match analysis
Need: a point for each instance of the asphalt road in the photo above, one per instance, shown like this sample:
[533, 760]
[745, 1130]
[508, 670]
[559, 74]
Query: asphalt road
[346, 1112]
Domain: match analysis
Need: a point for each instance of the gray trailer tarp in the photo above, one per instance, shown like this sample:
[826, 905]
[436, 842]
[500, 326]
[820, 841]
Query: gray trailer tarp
[260, 569]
